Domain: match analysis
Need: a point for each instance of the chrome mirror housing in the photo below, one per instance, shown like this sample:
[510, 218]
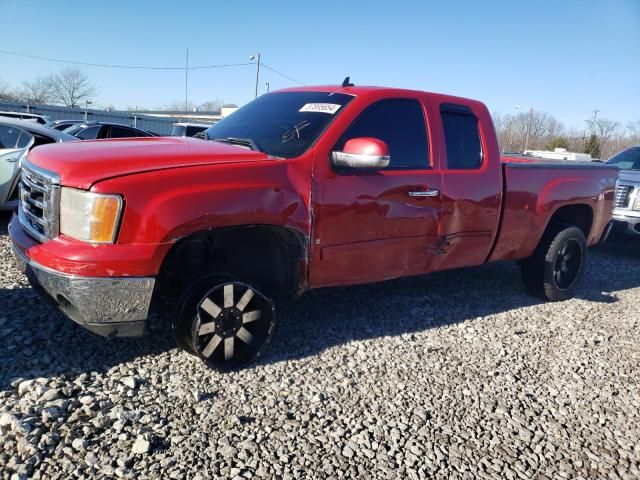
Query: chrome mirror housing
[362, 153]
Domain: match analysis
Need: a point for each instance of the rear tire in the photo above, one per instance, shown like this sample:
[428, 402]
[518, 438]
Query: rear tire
[557, 264]
[224, 322]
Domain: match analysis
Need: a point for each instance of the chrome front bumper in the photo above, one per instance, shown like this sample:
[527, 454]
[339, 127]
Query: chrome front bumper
[115, 307]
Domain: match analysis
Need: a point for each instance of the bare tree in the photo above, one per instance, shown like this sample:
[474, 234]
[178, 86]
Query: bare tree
[7, 93]
[527, 130]
[633, 130]
[604, 129]
[179, 106]
[72, 87]
[40, 90]
[212, 105]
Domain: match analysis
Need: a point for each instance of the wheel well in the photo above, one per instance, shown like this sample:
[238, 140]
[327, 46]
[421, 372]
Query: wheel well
[579, 215]
[269, 257]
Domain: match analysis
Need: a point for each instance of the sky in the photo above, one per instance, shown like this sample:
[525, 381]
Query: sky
[563, 57]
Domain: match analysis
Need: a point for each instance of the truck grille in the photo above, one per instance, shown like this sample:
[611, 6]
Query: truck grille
[623, 195]
[39, 202]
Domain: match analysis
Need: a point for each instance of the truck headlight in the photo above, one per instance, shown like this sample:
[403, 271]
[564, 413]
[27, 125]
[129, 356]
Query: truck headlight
[90, 217]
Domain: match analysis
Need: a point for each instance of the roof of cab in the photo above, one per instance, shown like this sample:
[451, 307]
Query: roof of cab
[363, 90]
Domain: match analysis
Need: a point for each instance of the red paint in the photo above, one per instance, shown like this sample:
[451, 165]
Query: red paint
[366, 146]
[361, 227]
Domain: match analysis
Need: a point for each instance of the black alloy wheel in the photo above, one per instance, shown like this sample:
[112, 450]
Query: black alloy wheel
[227, 326]
[568, 264]
[554, 269]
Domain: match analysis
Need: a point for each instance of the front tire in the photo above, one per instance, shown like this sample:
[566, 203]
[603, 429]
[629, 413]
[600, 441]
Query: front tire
[557, 264]
[226, 323]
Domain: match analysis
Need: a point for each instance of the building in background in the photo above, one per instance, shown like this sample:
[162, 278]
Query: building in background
[559, 154]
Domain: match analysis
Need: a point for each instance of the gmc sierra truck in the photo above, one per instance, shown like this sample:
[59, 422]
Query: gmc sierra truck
[301, 188]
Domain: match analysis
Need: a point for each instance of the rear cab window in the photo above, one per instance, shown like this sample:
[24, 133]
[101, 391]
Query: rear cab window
[123, 132]
[192, 130]
[89, 133]
[178, 131]
[400, 123]
[462, 137]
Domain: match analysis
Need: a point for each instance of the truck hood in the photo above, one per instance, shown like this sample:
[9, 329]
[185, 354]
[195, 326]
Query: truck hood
[81, 164]
[630, 175]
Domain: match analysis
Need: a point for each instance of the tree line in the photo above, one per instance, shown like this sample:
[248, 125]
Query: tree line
[71, 87]
[536, 130]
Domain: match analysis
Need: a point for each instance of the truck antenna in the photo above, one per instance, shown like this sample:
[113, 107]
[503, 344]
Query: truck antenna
[346, 82]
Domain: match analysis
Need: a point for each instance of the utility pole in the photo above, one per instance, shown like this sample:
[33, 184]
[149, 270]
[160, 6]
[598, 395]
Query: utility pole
[593, 122]
[257, 59]
[526, 141]
[186, 84]
[86, 108]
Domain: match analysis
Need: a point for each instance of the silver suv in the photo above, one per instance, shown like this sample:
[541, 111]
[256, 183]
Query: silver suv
[626, 204]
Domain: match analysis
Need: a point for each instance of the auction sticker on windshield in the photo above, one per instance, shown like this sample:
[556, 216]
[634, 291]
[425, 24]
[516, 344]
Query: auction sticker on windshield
[329, 108]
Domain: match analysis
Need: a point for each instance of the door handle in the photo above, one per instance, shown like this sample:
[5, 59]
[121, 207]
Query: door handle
[432, 192]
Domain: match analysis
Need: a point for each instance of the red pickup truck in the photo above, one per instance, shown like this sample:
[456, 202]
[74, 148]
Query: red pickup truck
[301, 188]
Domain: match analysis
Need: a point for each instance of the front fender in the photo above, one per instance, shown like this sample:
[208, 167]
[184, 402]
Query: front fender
[164, 206]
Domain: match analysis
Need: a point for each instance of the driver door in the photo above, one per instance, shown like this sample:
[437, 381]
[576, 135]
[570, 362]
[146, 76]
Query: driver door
[373, 225]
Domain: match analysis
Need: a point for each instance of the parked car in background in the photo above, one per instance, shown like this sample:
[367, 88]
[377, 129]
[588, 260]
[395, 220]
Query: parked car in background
[17, 137]
[34, 117]
[188, 129]
[626, 212]
[63, 124]
[98, 130]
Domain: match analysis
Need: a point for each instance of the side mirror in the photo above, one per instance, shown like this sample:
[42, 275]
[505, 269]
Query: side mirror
[363, 152]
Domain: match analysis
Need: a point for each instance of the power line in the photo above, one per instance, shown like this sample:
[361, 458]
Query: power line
[279, 73]
[132, 67]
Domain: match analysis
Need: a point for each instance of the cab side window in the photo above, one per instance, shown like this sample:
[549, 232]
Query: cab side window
[400, 123]
[462, 137]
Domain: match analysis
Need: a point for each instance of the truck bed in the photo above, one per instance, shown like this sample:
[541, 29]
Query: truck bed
[534, 189]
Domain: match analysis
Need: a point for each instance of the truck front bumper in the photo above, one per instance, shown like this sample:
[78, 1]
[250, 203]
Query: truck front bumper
[108, 306]
[626, 223]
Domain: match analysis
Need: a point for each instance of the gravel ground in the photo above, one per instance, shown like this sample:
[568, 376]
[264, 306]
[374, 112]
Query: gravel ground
[455, 375]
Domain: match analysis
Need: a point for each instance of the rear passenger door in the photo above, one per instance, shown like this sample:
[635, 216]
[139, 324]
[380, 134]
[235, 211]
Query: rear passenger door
[472, 185]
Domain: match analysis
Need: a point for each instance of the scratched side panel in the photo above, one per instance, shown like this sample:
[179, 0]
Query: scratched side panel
[163, 206]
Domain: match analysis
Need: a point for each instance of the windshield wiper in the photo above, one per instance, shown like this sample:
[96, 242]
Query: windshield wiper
[241, 142]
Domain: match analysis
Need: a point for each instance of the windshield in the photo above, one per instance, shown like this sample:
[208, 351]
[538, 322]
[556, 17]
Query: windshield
[627, 159]
[281, 124]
